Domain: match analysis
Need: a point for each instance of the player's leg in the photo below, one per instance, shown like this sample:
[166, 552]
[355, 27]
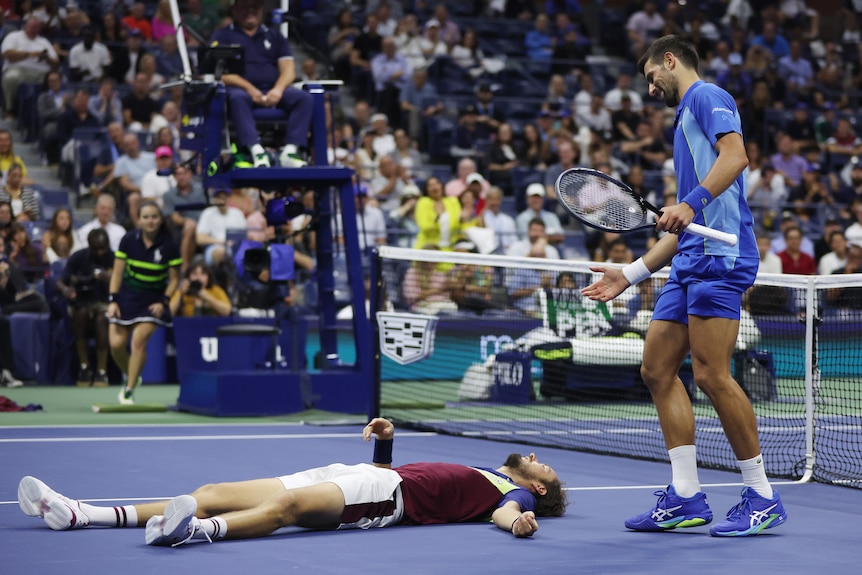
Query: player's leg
[714, 324]
[712, 343]
[299, 105]
[666, 346]
[118, 336]
[60, 512]
[140, 336]
[665, 349]
[240, 105]
[316, 506]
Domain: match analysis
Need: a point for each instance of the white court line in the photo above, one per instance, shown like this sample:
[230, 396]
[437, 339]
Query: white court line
[200, 437]
[124, 425]
[664, 486]
[596, 488]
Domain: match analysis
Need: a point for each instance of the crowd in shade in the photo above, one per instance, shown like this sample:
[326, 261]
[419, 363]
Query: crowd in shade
[457, 118]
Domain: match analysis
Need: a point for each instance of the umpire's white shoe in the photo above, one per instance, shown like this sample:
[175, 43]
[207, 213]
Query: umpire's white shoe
[59, 512]
[177, 526]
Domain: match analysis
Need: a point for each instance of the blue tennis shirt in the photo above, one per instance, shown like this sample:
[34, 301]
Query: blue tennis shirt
[263, 50]
[706, 112]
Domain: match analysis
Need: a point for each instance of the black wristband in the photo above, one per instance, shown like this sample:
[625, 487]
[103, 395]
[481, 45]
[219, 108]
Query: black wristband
[112, 298]
[166, 300]
[382, 451]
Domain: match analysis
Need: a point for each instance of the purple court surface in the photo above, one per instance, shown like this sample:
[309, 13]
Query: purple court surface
[125, 464]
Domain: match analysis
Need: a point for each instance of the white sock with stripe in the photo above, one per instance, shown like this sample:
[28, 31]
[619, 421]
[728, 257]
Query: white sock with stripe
[683, 463]
[125, 516]
[214, 527]
[754, 476]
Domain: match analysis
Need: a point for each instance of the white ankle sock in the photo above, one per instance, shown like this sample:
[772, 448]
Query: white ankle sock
[125, 516]
[754, 476]
[214, 527]
[256, 150]
[683, 463]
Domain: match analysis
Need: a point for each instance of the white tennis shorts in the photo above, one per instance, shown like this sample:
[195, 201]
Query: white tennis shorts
[372, 495]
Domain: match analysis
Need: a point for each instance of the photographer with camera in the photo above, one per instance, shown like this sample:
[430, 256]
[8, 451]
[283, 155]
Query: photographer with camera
[84, 284]
[198, 296]
[268, 269]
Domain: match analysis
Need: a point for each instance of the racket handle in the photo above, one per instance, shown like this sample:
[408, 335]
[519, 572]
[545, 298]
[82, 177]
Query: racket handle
[709, 233]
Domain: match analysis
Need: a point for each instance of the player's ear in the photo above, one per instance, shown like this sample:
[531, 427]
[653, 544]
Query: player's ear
[539, 488]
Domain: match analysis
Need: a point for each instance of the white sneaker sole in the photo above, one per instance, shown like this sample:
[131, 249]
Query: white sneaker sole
[172, 528]
[31, 492]
[60, 513]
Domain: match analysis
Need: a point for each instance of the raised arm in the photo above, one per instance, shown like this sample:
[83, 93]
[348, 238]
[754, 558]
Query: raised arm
[383, 431]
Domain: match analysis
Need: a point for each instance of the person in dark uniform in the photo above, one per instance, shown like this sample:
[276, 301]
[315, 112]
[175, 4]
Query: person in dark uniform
[269, 72]
[145, 276]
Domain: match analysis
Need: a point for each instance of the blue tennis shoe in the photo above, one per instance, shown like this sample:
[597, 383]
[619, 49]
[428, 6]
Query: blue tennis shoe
[672, 511]
[751, 515]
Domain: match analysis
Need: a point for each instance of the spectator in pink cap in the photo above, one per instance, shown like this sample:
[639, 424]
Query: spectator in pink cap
[156, 183]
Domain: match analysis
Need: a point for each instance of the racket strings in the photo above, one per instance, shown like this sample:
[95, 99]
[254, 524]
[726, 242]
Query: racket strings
[601, 202]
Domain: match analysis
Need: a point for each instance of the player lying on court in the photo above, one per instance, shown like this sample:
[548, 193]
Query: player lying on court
[336, 496]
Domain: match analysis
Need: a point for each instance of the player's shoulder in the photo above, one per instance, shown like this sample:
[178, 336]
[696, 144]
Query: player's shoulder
[709, 92]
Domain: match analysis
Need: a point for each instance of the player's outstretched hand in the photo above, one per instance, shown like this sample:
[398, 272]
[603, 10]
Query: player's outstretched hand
[379, 427]
[525, 525]
[611, 284]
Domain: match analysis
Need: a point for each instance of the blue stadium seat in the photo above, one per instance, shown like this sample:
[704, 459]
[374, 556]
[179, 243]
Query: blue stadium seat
[30, 345]
[53, 197]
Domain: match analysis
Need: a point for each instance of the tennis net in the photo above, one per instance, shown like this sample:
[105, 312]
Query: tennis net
[506, 348]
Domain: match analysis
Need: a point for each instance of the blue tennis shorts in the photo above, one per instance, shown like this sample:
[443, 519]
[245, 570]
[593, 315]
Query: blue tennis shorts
[708, 286]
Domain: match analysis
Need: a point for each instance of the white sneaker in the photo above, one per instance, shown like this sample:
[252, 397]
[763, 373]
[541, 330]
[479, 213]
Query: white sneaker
[59, 512]
[9, 380]
[177, 526]
[259, 156]
[261, 160]
[126, 396]
[291, 160]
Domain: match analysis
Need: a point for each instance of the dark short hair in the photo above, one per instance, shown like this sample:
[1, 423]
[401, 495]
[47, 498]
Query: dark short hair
[98, 238]
[554, 502]
[684, 51]
[536, 221]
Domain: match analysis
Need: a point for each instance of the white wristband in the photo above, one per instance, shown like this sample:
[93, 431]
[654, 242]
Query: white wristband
[636, 271]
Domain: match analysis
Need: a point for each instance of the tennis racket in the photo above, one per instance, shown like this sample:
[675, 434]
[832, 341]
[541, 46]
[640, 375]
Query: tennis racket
[607, 204]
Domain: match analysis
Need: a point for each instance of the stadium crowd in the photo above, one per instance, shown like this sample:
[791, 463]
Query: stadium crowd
[457, 117]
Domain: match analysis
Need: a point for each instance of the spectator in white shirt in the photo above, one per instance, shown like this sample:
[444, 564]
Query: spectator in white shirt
[837, 258]
[535, 245]
[27, 58]
[213, 225]
[535, 204]
[156, 183]
[88, 59]
[770, 263]
[496, 219]
[370, 222]
[104, 210]
[614, 97]
[129, 170]
[643, 27]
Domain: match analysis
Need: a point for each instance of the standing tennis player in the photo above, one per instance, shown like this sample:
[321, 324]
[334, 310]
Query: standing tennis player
[333, 497]
[145, 276]
[698, 309]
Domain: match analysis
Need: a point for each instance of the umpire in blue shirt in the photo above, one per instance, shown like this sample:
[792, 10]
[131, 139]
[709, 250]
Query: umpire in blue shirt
[269, 72]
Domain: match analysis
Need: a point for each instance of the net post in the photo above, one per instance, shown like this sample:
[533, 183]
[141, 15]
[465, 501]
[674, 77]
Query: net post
[375, 299]
[810, 374]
